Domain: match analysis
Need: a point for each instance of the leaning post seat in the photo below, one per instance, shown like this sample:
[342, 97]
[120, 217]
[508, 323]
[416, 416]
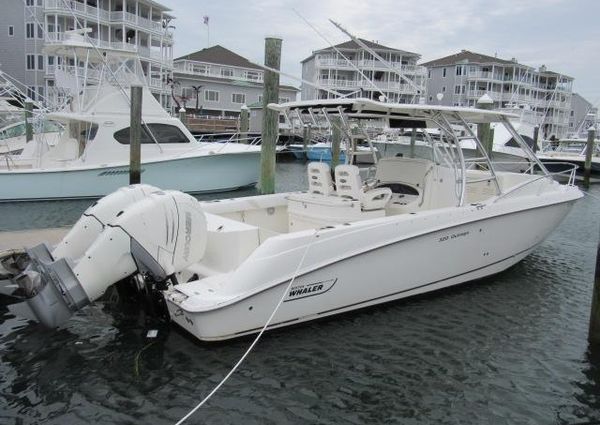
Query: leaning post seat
[319, 179]
[349, 185]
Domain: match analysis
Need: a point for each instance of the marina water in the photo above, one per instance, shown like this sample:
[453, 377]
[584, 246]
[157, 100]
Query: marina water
[507, 349]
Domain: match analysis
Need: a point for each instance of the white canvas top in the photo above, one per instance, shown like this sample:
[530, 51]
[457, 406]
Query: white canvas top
[369, 109]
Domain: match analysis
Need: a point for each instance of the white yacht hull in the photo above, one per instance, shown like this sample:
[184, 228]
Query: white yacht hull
[208, 173]
[338, 276]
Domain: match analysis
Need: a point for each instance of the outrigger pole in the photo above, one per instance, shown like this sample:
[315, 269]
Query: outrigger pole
[378, 57]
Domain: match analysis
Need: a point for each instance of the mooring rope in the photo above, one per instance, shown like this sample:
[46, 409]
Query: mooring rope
[241, 360]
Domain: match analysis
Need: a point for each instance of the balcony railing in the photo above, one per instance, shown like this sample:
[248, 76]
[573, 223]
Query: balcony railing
[353, 84]
[371, 64]
[103, 14]
[59, 37]
[142, 51]
[192, 68]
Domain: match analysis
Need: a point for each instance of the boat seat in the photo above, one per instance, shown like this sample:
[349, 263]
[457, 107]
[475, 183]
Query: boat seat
[319, 179]
[349, 185]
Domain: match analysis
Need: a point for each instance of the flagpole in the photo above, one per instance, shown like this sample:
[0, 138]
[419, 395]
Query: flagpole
[206, 21]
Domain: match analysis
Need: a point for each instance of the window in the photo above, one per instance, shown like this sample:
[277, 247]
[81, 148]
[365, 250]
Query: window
[443, 89]
[460, 70]
[260, 98]
[459, 89]
[30, 30]
[40, 64]
[238, 98]
[444, 72]
[211, 95]
[30, 3]
[40, 92]
[30, 62]
[226, 72]
[31, 92]
[429, 73]
[514, 144]
[201, 69]
[431, 98]
[253, 75]
[11, 31]
[40, 32]
[163, 133]
[284, 99]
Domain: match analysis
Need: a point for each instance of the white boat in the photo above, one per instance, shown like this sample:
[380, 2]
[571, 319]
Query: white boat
[13, 137]
[91, 157]
[507, 154]
[557, 156]
[229, 268]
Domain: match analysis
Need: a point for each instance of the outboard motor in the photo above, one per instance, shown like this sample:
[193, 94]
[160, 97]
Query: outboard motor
[156, 237]
[92, 221]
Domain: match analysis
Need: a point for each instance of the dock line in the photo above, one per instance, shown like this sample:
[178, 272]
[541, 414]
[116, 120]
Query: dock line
[241, 360]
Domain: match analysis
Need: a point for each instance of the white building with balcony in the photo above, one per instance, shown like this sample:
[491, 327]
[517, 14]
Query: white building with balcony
[140, 27]
[461, 79]
[216, 81]
[353, 71]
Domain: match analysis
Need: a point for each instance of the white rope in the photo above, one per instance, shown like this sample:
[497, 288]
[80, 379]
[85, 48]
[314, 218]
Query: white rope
[239, 362]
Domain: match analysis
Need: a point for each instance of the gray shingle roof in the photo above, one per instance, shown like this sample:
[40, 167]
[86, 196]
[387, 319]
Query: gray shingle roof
[352, 45]
[465, 55]
[219, 55]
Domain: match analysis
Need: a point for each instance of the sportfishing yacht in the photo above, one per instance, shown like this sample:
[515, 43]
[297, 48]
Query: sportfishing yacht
[228, 268]
[91, 156]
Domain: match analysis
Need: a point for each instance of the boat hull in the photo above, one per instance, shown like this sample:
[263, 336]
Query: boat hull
[209, 173]
[396, 270]
[563, 164]
[322, 154]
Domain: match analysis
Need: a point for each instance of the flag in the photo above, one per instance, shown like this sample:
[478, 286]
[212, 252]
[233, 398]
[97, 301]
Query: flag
[205, 20]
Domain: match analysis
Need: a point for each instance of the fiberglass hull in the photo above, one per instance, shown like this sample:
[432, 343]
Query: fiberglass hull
[393, 262]
[208, 173]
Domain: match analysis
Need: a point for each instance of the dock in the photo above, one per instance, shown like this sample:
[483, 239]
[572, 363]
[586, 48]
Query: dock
[28, 238]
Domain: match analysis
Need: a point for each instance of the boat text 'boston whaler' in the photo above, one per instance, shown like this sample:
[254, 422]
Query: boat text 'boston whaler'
[413, 225]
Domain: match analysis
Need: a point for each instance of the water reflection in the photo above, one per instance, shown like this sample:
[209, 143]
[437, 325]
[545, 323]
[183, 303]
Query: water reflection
[508, 349]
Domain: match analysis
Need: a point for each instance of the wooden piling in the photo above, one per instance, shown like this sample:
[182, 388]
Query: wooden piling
[135, 134]
[589, 151]
[336, 139]
[536, 137]
[244, 123]
[28, 120]
[413, 141]
[484, 132]
[182, 115]
[306, 135]
[270, 123]
[594, 329]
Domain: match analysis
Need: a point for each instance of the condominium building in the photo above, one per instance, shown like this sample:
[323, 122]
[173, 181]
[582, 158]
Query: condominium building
[461, 79]
[583, 115]
[353, 71]
[217, 81]
[139, 27]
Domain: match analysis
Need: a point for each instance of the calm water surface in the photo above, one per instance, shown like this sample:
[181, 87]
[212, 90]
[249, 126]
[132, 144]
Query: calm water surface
[510, 349]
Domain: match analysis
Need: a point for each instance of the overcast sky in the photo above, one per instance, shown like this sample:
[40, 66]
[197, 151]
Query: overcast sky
[562, 34]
